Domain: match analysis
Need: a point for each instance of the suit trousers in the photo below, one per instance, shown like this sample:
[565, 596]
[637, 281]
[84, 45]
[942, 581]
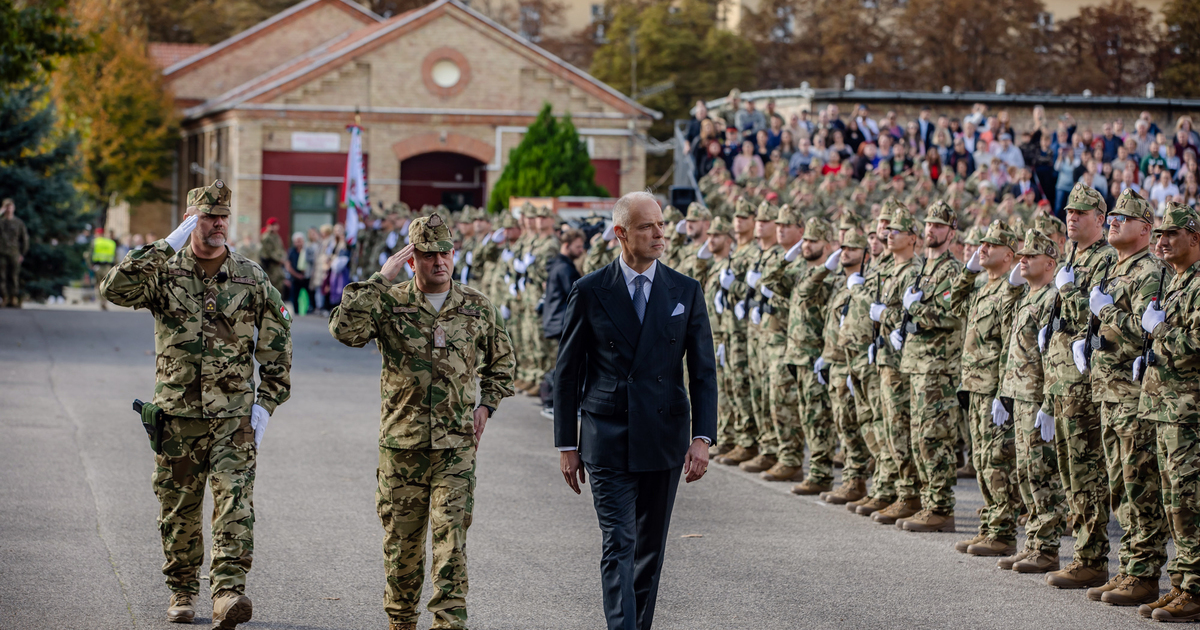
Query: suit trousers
[634, 509]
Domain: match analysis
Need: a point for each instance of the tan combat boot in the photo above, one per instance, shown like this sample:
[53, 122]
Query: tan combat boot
[900, 508]
[871, 506]
[182, 608]
[992, 547]
[808, 487]
[1037, 562]
[851, 490]
[961, 546]
[758, 464]
[717, 450]
[230, 609]
[1146, 610]
[838, 460]
[738, 455]
[1078, 575]
[1133, 591]
[1006, 563]
[521, 385]
[402, 625]
[966, 471]
[779, 472]
[1183, 608]
[927, 521]
[1095, 593]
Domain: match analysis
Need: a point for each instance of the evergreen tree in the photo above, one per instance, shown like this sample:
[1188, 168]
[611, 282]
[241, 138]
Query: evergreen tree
[1182, 49]
[551, 161]
[32, 38]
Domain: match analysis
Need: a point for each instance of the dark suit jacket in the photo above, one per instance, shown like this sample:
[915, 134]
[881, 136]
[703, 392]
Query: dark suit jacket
[561, 278]
[627, 377]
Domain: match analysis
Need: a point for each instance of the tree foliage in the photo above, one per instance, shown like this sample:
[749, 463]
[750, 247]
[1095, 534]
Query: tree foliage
[551, 161]
[1111, 48]
[1181, 74]
[32, 38]
[202, 21]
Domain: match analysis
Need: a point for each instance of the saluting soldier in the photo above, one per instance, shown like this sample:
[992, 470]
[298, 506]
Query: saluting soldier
[207, 302]
[435, 336]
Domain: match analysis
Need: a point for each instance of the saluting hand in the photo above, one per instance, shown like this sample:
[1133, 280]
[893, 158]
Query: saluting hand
[392, 266]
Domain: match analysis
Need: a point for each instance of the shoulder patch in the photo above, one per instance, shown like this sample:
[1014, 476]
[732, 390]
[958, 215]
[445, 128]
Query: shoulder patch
[405, 309]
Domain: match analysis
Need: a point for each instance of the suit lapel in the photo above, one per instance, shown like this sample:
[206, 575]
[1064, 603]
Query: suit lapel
[614, 298]
[664, 295]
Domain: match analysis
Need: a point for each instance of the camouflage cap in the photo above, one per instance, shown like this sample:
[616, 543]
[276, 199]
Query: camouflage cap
[720, 225]
[1050, 225]
[1038, 244]
[999, 234]
[855, 240]
[887, 208]
[818, 229]
[430, 234]
[903, 220]
[1084, 197]
[671, 214]
[850, 221]
[1179, 217]
[1130, 204]
[973, 235]
[789, 216]
[766, 212]
[697, 212]
[507, 221]
[743, 209]
[213, 200]
[940, 212]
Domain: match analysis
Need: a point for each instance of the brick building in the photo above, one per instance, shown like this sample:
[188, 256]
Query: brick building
[443, 94]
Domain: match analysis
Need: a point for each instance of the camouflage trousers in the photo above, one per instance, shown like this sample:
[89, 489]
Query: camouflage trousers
[727, 408]
[849, 426]
[1134, 484]
[737, 360]
[993, 453]
[935, 413]
[766, 438]
[1081, 464]
[10, 275]
[783, 399]
[868, 402]
[197, 451]
[897, 399]
[816, 418]
[1039, 481]
[1178, 452]
[422, 489]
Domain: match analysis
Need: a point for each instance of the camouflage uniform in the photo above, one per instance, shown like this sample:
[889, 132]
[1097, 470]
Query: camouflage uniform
[720, 315]
[846, 416]
[750, 430]
[14, 243]
[987, 306]
[931, 357]
[759, 340]
[1069, 400]
[686, 262]
[272, 253]
[427, 432]
[1023, 381]
[206, 347]
[538, 354]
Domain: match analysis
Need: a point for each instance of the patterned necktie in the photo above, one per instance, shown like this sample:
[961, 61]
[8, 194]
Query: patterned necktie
[639, 296]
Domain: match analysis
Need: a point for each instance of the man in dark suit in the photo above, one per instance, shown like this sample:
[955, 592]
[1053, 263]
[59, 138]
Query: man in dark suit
[629, 328]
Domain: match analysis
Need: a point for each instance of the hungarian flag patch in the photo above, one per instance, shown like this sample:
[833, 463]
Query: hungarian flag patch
[946, 296]
[283, 312]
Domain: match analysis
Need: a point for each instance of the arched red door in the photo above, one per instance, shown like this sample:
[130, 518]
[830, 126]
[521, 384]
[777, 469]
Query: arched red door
[450, 179]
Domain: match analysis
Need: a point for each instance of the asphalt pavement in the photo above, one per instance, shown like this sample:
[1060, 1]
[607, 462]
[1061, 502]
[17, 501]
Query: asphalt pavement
[79, 544]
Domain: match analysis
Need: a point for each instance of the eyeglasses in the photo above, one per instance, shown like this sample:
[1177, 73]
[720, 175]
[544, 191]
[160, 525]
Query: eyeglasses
[1117, 218]
[895, 232]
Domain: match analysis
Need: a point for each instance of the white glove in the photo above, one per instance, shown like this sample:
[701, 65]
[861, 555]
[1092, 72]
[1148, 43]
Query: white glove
[897, 342]
[756, 315]
[739, 311]
[704, 253]
[1065, 276]
[179, 237]
[1098, 300]
[1015, 278]
[1043, 336]
[855, 280]
[507, 255]
[821, 379]
[999, 413]
[512, 289]
[752, 278]
[521, 284]
[470, 258]
[464, 275]
[727, 279]
[519, 266]
[721, 354]
[609, 233]
[529, 258]
[831, 263]
[1046, 424]
[912, 297]
[505, 312]
[404, 230]
[871, 354]
[850, 385]
[1137, 369]
[258, 421]
[1077, 354]
[877, 311]
[973, 264]
[1152, 317]
[498, 236]
[719, 301]
[455, 258]
[819, 365]
[841, 321]
[681, 227]
[794, 251]
[382, 259]
[766, 291]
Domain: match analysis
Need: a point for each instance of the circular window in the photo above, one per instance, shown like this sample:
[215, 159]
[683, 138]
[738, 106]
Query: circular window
[446, 73]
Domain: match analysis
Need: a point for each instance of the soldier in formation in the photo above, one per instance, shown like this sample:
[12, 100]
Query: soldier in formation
[14, 244]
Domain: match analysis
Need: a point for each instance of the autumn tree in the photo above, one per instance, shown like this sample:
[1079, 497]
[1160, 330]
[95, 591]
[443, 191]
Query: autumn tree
[34, 38]
[1181, 52]
[1109, 49]
[201, 21]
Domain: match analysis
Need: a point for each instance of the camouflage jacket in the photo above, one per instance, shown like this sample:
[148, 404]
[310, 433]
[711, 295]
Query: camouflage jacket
[271, 250]
[936, 347]
[14, 238]
[857, 332]
[599, 255]
[987, 307]
[1076, 313]
[806, 320]
[428, 391]
[689, 265]
[1023, 377]
[896, 280]
[741, 260]
[1132, 284]
[1171, 387]
[773, 311]
[835, 311]
[722, 323]
[204, 331]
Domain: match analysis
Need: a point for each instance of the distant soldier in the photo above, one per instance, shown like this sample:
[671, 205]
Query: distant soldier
[14, 244]
[207, 303]
[436, 336]
[273, 254]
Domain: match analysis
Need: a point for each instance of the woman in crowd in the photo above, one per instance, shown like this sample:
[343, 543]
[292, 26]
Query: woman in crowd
[747, 162]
